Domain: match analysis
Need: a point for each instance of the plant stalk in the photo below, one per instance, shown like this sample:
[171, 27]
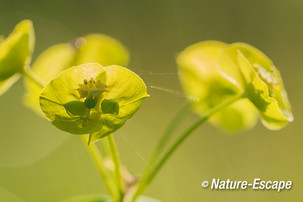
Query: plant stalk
[116, 160]
[99, 161]
[146, 180]
[170, 129]
[28, 73]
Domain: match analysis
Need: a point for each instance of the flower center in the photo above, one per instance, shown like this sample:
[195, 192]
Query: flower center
[91, 88]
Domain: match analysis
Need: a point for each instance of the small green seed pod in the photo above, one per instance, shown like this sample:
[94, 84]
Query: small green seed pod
[75, 108]
[90, 103]
[110, 107]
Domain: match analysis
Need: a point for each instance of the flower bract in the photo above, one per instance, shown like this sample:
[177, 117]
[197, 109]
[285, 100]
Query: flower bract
[252, 72]
[15, 54]
[212, 71]
[85, 98]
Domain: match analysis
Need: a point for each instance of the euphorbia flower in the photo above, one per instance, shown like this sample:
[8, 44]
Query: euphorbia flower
[206, 87]
[212, 72]
[15, 53]
[90, 98]
[254, 74]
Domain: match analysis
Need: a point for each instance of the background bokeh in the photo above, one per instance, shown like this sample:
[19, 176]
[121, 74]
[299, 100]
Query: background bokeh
[40, 163]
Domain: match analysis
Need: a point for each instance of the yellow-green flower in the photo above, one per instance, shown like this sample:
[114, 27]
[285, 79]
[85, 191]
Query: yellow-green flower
[92, 99]
[206, 87]
[212, 72]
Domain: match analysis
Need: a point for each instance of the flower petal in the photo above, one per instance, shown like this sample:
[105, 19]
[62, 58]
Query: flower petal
[62, 90]
[206, 87]
[128, 90]
[15, 53]
[241, 115]
[261, 80]
[102, 49]
[275, 110]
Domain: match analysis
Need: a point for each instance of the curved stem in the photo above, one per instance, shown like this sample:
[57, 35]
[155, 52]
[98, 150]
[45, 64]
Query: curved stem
[95, 154]
[146, 180]
[27, 72]
[170, 129]
[115, 157]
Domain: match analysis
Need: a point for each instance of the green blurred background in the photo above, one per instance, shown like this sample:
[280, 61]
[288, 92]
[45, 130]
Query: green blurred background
[40, 163]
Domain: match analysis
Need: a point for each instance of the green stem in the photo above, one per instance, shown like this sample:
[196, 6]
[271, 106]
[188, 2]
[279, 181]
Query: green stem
[172, 126]
[116, 160]
[27, 72]
[146, 180]
[95, 154]
[105, 147]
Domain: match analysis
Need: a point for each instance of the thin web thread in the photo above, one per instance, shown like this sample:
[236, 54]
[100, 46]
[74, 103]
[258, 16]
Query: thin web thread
[169, 75]
[168, 93]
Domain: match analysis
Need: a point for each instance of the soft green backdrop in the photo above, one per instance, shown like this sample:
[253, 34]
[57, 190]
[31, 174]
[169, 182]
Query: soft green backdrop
[40, 163]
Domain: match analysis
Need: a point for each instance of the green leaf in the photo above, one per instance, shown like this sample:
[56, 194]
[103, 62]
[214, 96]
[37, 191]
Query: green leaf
[206, 87]
[15, 53]
[90, 198]
[261, 80]
[121, 85]
[102, 49]
[47, 66]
